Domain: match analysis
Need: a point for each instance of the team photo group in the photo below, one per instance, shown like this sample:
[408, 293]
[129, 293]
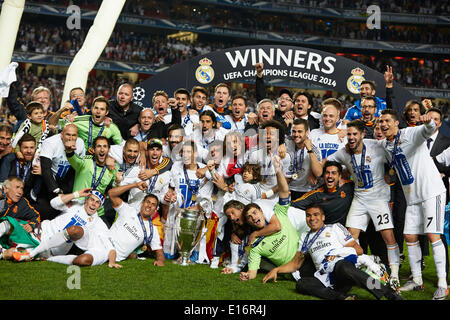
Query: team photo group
[334, 199]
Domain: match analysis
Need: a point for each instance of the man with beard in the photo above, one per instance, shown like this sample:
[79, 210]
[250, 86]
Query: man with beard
[157, 176]
[24, 168]
[367, 89]
[424, 191]
[175, 137]
[305, 159]
[368, 109]
[273, 136]
[92, 126]
[366, 161]
[6, 133]
[91, 171]
[303, 103]
[335, 196]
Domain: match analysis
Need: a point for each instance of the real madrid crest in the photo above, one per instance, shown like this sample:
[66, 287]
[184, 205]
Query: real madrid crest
[205, 73]
[354, 82]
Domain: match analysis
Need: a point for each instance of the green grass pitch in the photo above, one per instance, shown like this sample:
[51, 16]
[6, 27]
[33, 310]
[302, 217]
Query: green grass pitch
[140, 280]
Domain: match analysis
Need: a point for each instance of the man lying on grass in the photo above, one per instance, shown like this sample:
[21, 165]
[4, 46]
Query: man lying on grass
[134, 229]
[77, 224]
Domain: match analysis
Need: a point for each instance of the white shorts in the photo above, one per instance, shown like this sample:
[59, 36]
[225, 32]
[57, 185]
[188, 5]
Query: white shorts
[426, 217]
[361, 212]
[97, 246]
[46, 233]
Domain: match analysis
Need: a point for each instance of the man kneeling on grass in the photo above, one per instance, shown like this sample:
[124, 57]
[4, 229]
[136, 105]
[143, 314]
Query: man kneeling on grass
[280, 246]
[77, 224]
[335, 254]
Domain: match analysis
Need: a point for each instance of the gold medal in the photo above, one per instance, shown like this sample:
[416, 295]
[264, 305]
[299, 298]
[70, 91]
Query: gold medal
[391, 171]
[214, 197]
[361, 184]
[295, 176]
[144, 248]
[194, 197]
[264, 181]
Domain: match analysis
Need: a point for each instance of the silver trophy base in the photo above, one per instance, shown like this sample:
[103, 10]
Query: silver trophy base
[183, 261]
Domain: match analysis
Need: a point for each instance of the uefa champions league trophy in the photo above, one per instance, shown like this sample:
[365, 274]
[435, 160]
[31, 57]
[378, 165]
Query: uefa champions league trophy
[189, 225]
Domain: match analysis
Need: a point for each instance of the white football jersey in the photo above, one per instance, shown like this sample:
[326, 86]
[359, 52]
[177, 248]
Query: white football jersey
[203, 142]
[188, 122]
[375, 187]
[237, 125]
[75, 215]
[301, 184]
[127, 233]
[201, 187]
[267, 169]
[415, 168]
[327, 143]
[53, 149]
[334, 236]
[244, 192]
[157, 185]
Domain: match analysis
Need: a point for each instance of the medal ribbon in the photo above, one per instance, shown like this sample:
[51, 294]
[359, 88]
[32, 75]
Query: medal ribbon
[147, 240]
[94, 184]
[152, 185]
[307, 245]
[302, 158]
[188, 183]
[359, 170]
[91, 122]
[394, 151]
[26, 168]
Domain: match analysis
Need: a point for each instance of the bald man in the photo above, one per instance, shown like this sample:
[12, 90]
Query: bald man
[57, 173]
[124, 112]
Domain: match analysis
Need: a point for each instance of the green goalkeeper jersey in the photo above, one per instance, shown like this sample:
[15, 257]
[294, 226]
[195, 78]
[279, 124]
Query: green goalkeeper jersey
[279, 247]
[84, 123]
[85, 167]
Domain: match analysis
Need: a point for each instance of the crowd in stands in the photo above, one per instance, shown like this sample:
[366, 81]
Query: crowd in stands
[158, 51]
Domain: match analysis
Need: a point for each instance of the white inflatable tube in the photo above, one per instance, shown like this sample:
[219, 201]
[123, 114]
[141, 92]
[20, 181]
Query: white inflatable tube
[10, 17]
[93, 46]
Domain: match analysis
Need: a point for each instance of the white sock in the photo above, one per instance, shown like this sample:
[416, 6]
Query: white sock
[415, 257]
[393, 253]
[63, 259]
[439, 261]
[53, 241]
[234, 248]
[5, 226]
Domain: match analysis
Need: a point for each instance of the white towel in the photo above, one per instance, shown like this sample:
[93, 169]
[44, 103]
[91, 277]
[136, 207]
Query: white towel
[7, 76]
